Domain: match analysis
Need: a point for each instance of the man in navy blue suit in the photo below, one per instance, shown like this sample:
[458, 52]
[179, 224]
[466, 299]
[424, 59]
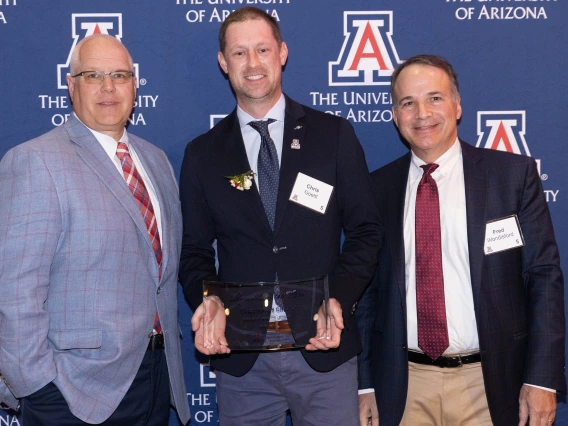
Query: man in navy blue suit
[464, 320]
[262, 235]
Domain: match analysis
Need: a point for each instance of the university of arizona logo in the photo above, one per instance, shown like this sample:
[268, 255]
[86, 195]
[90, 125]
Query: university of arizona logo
[503, 131]
[84, 25]
[368, 56]
[206, 376]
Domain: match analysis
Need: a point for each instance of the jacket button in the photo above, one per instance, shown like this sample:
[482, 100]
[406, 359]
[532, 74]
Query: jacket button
[275, 250]
[159, 290]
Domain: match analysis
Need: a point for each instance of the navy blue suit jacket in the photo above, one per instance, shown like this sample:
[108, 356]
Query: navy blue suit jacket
[518, 294]
[249, 251]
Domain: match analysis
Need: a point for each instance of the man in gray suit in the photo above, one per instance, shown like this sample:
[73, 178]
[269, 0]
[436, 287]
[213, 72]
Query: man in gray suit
[89, 245]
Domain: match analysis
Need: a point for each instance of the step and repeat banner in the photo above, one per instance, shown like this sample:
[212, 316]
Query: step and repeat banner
[510, 56]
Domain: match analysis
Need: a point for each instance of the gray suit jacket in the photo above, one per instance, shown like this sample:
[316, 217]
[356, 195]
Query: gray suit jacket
[78, 276]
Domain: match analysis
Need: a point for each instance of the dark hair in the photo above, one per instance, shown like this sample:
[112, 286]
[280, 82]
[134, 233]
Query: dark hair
[248, 14]
[430, 60]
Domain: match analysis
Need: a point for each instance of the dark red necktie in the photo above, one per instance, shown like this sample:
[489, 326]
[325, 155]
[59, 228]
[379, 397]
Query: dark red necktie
[142, 197]
[430, 304]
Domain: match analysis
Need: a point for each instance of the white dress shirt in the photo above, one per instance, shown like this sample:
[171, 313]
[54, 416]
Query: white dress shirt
[462, 327]
[458, 293]
[251, 137]
[110, 145]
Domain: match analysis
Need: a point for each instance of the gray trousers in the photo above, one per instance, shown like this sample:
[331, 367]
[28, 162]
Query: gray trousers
[281, 381]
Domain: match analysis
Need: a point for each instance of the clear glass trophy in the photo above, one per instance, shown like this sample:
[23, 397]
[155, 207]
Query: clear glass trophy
[254, 317]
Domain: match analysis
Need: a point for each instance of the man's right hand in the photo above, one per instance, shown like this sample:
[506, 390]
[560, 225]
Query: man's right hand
[208, 323]
[368, 411]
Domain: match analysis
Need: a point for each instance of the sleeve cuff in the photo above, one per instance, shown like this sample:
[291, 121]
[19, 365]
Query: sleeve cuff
[540, 387]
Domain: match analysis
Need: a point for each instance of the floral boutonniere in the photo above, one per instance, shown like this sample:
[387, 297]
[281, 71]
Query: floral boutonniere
[242, 181]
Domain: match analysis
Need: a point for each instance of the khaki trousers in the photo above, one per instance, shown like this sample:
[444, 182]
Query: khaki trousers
[445, 396]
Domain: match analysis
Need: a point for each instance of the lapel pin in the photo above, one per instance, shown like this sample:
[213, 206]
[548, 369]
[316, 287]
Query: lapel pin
[295, 144]
[297, 127]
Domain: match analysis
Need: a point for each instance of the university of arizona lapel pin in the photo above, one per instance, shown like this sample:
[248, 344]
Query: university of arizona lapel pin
[297, 127]
[295, 144]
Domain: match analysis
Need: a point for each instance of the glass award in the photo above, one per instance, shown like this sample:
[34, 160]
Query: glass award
[271, 315]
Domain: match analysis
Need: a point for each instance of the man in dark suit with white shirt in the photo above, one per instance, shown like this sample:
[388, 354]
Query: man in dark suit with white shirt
[460, 326]
[261, 235]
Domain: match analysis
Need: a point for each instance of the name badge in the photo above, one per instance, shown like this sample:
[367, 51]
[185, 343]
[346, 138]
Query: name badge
[311, 193]
[503, 234]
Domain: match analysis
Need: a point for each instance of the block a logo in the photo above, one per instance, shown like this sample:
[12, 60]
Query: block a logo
[368, 56]
[503, 131]
[206, 376]
[84, 25]
[215, 118]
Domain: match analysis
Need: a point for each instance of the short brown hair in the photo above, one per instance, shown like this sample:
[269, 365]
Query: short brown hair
[248, 14]
[430, 60]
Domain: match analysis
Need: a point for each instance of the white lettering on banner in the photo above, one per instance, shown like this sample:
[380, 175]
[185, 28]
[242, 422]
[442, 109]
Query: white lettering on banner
[59, 119]
[137, 118]
[356, 98]
[520, 12]
[53, 101]
[216, 15]
[9, 420]
[199, 398]
[6, 3]
[498, 13]
[369, 116]
[551, 195]
[143, 101]
[203, 416]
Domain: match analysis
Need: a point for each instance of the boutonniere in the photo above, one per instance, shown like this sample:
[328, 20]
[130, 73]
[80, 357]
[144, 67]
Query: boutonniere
[242, 181]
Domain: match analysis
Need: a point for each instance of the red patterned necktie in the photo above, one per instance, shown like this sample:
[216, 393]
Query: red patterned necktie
[430, 304]
[142, 197]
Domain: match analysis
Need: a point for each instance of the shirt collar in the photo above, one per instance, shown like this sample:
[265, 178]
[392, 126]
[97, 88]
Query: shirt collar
[445, 162]
[277, 112]
[108, 143]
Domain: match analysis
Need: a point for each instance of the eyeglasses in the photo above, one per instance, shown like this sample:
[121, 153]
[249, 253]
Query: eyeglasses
[97, 77]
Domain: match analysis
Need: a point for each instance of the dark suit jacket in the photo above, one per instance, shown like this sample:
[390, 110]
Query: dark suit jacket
[518, 294]
[304, 243]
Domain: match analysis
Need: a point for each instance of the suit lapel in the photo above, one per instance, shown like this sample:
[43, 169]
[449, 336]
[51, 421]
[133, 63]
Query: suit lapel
[397, 219]
[475, 179]
[239, 164]
[93, 154]
[157, 179]
[294, 128]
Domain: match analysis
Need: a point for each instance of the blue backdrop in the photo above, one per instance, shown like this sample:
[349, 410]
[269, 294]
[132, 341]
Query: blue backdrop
[510, 57]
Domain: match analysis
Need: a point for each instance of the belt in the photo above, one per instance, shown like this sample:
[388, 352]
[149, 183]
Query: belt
[279, 327]
[156, 342]
[444, 361]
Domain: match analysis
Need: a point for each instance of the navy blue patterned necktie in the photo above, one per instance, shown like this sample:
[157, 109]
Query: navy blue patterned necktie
[268, 169]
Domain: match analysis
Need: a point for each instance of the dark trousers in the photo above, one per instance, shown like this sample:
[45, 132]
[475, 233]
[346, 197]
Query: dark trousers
[147, 402]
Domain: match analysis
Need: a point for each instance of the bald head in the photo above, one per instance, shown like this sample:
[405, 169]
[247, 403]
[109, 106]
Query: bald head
[75, 61]
[103, 105]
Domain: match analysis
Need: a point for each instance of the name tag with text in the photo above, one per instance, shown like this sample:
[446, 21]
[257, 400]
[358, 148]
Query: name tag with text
[311, 193]
[503, 234]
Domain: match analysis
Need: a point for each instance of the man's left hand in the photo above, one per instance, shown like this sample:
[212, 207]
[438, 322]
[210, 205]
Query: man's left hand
[328, 334]
[538, 405]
